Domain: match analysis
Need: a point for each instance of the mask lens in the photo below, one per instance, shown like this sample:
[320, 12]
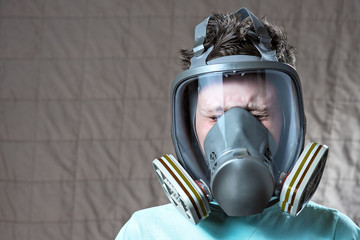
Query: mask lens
[268, 95]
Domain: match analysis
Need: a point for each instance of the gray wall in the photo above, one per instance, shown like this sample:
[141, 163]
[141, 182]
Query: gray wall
[84, 104]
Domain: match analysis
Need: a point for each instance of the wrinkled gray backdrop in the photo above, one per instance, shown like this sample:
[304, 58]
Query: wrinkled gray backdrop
[84, 104]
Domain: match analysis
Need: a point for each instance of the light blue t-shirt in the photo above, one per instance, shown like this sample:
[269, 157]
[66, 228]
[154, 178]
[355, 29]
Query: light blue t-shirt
[314, 222]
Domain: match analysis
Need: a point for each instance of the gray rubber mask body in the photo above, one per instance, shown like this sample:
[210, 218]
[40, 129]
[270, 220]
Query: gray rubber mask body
[239, 150]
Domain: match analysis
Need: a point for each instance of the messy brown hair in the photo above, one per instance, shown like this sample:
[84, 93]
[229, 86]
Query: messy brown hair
[228, 34]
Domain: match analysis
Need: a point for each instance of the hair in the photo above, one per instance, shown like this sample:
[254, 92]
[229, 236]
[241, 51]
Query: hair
[228, 34]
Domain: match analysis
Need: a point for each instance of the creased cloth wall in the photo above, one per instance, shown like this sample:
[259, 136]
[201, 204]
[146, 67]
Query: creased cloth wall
[84, 104]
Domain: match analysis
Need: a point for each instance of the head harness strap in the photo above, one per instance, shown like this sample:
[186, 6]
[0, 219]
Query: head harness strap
[260, 39]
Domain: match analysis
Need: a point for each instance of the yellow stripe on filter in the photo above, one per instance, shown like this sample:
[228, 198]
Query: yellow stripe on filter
[184, 190]
[303, 181]
[184, 178]
[294, 177]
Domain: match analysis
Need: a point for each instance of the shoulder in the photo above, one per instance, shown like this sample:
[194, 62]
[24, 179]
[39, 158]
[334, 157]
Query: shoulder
[314, 222]
[316, 208]
[161, 222]
[343, 226]
[154, 215]
[164, 218]
[157, 211]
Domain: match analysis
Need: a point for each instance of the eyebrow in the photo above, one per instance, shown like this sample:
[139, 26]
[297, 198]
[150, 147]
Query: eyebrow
[210, 111]
[251, 106]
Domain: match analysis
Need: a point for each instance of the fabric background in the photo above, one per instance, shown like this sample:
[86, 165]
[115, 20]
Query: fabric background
[84, 104]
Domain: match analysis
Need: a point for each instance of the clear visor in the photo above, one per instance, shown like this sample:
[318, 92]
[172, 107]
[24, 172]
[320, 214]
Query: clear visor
[218, 93]
[268, 95]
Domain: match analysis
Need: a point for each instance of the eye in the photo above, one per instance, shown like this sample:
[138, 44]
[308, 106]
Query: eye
[215, 117]
[261, 117]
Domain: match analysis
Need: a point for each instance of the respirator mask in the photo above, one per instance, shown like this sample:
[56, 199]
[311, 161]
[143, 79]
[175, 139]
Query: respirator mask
[238, 129]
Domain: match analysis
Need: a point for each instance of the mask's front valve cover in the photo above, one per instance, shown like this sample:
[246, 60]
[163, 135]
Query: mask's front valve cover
[181, 189]
[300, 185]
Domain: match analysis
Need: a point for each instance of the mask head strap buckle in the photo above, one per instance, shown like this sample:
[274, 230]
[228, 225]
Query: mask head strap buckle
[200, 35]
[199, 58]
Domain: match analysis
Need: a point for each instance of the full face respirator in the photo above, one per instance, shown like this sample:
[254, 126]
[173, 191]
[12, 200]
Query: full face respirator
[238, 128]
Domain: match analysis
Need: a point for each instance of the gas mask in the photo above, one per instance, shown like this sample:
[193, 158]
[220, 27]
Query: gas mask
[238, 128]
